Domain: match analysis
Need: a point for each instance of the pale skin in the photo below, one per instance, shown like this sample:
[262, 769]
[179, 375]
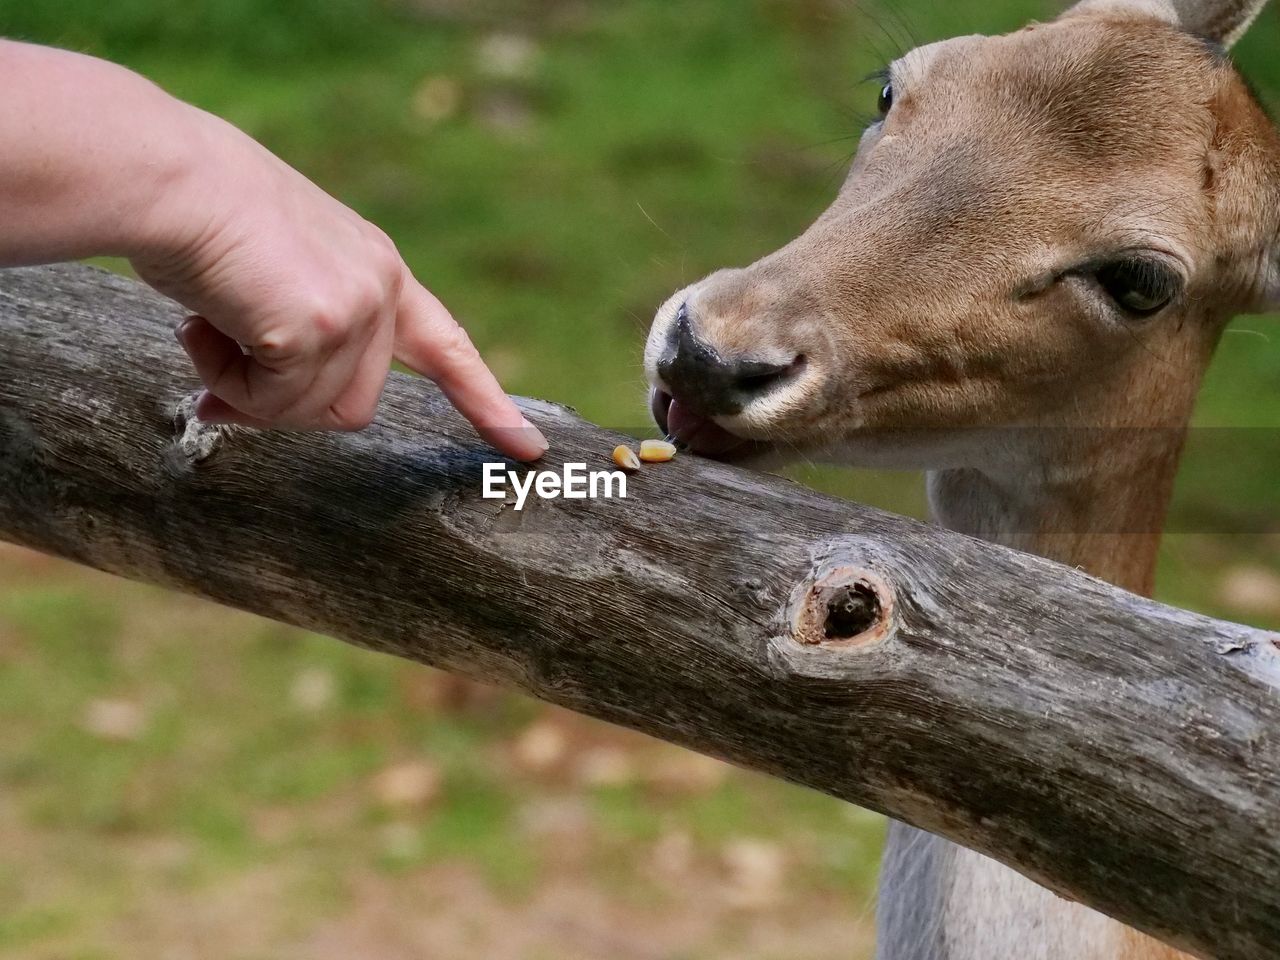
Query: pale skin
[298, 305]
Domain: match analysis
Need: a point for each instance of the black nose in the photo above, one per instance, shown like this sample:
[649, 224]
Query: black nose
[709, 383]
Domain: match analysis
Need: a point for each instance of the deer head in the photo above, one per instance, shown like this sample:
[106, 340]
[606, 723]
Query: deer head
[1046, 228]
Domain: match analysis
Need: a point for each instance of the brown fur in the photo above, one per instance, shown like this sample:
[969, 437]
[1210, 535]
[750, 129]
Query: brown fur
[940, 324]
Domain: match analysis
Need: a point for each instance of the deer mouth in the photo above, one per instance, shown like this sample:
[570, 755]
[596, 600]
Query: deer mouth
[699, 433]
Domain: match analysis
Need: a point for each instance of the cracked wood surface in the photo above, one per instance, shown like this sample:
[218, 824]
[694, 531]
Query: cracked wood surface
[1122, 752]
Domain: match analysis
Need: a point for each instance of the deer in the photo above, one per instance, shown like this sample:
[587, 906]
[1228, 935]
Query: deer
[1017, 290]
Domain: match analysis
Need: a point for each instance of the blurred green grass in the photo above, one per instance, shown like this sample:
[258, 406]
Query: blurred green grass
[552, 169]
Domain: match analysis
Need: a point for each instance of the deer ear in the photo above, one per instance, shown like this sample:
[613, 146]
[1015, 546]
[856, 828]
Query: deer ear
[1163, 10]
[1221, 21]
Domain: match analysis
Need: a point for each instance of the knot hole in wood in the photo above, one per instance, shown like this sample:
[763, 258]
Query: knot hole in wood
[846, 607]
[196, 441]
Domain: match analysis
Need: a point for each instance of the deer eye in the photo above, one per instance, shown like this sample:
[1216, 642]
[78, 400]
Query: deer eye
[886, 99]
[1140, 286]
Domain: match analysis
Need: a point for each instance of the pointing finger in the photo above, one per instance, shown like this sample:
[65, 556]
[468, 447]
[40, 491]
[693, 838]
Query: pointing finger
[431, 342]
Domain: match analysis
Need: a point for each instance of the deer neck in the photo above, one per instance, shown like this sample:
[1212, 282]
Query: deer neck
[1096, 500]
[1092, 499]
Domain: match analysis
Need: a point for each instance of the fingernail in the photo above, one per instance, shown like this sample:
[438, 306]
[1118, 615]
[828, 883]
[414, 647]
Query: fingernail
[536, 436]
[180, 331]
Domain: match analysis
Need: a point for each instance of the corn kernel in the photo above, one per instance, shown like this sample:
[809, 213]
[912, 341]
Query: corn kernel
[657, 451]
[625, 457]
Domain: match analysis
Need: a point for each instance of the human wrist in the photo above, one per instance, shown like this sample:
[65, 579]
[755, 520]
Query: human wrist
[174, 192]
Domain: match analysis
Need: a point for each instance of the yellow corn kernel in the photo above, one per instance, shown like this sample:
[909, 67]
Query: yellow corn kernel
[625, 457]
[657, 451]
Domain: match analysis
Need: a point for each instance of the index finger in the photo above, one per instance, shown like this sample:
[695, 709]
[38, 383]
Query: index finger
[431, 342]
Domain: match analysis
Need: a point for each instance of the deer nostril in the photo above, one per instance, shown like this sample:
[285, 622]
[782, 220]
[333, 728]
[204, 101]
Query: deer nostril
[759, 377]
[710, 383]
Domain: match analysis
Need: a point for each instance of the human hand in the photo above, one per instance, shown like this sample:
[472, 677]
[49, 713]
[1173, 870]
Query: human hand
[299, 304]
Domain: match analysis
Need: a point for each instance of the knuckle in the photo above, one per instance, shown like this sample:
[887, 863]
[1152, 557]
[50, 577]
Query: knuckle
[351, 419]
[455, 348]
[280, 348]
[273, 409]
[360, 303]
[396, 279]
[330, 323]
[385, 266]
[287, 411]
[368, 299]
[386, 256]
[275, 403]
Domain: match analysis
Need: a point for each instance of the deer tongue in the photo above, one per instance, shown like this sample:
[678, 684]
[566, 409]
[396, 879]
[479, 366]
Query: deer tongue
[701, 434]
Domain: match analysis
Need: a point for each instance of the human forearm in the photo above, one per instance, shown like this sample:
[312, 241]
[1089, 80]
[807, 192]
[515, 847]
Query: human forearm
[89, 150]
[298, 303]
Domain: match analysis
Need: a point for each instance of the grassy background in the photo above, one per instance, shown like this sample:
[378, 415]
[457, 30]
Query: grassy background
[177, 780]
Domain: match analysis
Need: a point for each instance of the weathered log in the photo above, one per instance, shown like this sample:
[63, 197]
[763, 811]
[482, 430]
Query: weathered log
[1119, 751]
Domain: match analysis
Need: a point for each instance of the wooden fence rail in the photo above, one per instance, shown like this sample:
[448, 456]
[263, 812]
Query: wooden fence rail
[1119, 751]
